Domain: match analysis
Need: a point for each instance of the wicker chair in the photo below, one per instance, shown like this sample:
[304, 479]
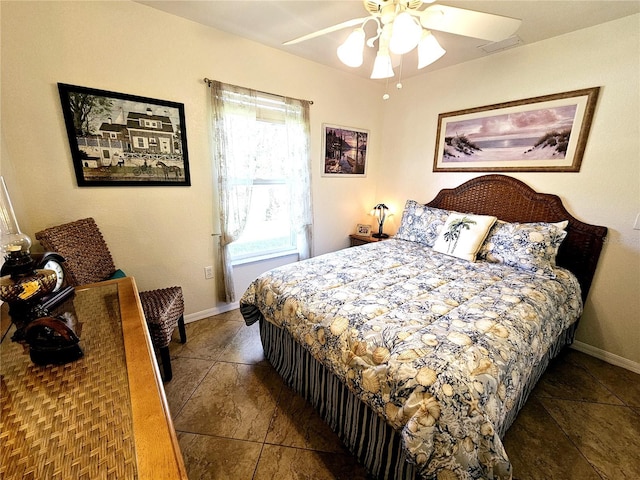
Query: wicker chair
[88, 260]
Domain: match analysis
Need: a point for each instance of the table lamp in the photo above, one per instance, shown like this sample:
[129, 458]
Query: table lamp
[380, 212]
[22, 284]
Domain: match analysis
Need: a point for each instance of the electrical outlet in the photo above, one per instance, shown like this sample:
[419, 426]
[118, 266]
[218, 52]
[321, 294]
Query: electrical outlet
[208, 272]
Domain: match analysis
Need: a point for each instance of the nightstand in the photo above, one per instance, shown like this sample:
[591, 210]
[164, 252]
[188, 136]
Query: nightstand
[361, 240]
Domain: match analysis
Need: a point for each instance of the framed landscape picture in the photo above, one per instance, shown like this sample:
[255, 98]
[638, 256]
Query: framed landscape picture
[541, 134]
[344, 151]
[118, 139]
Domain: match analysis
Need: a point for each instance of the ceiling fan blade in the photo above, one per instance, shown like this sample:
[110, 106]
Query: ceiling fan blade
[469, 23]
[324, 31]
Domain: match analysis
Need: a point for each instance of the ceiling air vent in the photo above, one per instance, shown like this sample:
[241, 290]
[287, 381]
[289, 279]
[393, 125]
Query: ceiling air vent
[494, 47]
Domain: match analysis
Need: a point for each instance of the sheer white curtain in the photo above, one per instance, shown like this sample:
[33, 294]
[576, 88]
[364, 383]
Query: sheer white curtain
[299, 164]
[235, 112]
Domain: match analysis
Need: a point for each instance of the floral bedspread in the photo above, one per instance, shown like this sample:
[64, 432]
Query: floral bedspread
[439, 347]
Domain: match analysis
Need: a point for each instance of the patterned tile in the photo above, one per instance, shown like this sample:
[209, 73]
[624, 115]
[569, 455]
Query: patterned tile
[285, 463]
[296, 424]
[187, 375]
[245, 347]
[624, 383]
[564, 379]
[233, 400]
[233, 315]
[607, 435]
[218, 458]
[539, 449]
[207, 338]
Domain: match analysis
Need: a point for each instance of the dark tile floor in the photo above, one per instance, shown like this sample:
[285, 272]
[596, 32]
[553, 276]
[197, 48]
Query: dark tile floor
[236, 419]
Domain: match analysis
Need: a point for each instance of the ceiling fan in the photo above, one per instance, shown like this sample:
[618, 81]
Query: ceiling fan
[402, 25]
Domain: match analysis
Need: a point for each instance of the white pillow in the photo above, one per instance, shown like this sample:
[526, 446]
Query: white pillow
[463, 234]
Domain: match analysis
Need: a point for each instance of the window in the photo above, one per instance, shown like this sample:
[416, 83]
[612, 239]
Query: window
[268, 228]
[140, 142]
[261, 157]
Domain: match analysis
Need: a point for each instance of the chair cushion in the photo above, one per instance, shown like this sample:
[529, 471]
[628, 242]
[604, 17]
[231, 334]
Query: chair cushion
[117, 274]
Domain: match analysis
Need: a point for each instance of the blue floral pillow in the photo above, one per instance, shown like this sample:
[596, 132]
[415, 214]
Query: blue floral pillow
[421, 224]
[529, 246]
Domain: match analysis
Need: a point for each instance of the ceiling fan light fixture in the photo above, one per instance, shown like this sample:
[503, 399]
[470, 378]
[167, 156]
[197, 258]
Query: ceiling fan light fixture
[429, 50]
[382, 67]
[351, 51]
[406, 34]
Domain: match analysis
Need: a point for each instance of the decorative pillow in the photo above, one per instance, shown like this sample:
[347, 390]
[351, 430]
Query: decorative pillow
[117, 274]
[529, 246]
[421, 224]
[463, 234]
[561, 225]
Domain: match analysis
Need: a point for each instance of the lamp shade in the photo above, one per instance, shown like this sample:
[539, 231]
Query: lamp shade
[13, 240]
[429, 50]
[351, 51]
[382, 67]
[406, 34]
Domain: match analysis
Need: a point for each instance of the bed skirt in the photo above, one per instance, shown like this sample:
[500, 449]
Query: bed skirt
[375, 444]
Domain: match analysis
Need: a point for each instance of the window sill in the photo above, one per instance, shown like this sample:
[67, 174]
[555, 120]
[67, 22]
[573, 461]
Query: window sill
[261, 258]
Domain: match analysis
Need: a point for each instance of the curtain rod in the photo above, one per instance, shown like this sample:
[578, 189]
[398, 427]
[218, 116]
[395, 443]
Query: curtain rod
[208, 82]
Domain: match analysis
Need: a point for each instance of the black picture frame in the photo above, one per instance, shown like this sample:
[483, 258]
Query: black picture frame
[344, 151]
[117, 139]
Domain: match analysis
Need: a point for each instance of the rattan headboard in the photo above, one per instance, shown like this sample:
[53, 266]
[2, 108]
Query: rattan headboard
[513, 201]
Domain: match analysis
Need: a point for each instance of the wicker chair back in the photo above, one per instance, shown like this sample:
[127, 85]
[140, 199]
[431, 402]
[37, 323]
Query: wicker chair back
[87, 257]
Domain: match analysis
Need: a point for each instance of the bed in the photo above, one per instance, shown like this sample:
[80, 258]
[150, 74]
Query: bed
[418, 355]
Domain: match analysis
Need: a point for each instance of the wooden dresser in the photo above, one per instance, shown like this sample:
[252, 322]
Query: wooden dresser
[102, 416]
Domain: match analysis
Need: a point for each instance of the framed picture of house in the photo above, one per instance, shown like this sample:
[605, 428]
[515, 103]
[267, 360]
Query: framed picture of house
[117, 139]
[344, 151]
[540, 134]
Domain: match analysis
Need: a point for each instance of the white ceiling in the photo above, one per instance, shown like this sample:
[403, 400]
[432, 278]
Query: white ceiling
[273, 22]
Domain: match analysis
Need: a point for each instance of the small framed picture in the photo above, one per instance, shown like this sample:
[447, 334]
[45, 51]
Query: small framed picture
[363, 230]
[344, 151]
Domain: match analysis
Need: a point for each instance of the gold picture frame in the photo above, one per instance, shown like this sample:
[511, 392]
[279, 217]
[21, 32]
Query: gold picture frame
[541, 134]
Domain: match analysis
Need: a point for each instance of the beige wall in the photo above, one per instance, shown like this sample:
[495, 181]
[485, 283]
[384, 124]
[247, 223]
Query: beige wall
[607, 189]
[162, 235]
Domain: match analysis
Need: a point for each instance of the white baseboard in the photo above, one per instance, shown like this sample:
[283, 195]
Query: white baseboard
[607, 357]
[192, 317]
